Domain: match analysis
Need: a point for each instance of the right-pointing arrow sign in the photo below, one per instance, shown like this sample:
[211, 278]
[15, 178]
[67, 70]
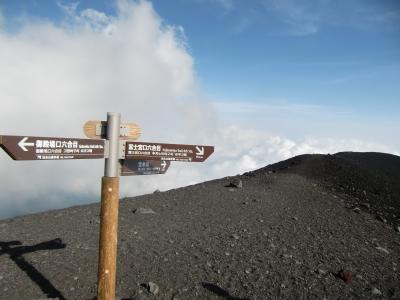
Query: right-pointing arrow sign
[167, 152]
[143, 167]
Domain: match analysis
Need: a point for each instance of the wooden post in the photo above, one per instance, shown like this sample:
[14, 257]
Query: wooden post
[108, 238]
[109, 212]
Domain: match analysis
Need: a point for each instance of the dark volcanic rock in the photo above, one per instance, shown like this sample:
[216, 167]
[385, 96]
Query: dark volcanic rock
[370, 180]
[297, 229]
[346, 276]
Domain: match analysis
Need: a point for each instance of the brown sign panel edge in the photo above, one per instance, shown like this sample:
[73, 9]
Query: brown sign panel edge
[5, 149]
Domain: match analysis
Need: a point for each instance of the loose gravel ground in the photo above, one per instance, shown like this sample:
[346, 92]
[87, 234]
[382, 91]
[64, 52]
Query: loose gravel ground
[312, 227]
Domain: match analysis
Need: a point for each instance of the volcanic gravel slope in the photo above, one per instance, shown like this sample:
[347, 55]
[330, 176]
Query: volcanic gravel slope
[285, 234]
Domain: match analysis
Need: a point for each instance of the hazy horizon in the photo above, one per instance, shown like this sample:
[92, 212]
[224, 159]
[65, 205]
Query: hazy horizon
[261, 81]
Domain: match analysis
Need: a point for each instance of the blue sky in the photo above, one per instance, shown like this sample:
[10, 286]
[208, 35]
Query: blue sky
[341, 54]
[261, 80]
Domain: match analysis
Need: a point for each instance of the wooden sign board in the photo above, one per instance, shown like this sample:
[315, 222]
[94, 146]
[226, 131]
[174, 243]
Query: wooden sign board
[98, 130]
[51, 148]
[167, 152]
[144, 167]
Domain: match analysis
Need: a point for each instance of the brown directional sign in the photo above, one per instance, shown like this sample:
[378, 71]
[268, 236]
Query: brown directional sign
[51, 148]
[144, 167]
[167, 152]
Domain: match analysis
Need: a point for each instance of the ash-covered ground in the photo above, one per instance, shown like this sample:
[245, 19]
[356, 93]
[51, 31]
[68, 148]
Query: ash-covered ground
[311, 227]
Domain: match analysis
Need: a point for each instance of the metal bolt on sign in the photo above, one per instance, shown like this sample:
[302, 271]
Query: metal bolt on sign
[111, 140]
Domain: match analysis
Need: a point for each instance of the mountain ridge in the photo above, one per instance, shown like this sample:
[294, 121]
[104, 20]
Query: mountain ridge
[294, 229]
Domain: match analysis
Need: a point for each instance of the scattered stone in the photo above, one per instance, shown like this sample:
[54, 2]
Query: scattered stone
[235, 183]
[156, 191]
[366, 205]
[346, 276]
[142, 296]
[247, 271]
[287, 256]
[356, 210]
[382, 249]
[398, 228]
[152, 288]
[295, 218]
[376, 292]
[76, 278]
[143, 211]
[359, 277]
[1, 277]
[235, 236]
[321, 272]
[380, 218]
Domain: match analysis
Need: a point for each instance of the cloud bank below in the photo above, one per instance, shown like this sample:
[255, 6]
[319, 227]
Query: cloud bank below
[58, 76]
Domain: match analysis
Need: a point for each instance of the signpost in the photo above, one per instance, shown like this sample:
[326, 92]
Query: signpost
[144, 167]
[110, 140]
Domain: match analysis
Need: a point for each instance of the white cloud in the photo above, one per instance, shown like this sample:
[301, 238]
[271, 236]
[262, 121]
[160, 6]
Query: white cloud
[262, 108]
[56, 77]
[300, 17]
[226, 5]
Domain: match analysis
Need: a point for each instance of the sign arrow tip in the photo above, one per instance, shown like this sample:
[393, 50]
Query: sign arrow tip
[199, 150]
[23, 144]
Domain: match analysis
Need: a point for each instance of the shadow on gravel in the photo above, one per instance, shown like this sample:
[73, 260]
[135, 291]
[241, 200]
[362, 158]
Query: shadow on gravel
[16, 252]
[220, 292]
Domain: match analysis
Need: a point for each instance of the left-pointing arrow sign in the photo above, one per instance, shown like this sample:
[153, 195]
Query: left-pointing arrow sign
[51, 148]
[23, 144]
